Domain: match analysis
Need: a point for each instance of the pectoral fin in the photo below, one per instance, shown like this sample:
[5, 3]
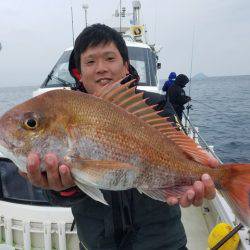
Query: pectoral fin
[92, 175]
[79, 163]
[93, 192]
[111, 175]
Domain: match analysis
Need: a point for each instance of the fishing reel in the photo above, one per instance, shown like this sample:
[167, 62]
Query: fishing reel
[189, 107]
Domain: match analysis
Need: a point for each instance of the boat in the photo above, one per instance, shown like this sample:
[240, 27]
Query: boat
[34, 224]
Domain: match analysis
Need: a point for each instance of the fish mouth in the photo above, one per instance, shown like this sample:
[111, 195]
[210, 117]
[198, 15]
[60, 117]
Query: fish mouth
[4, 144]
[8, 153]
[8, 145]
[5, 149]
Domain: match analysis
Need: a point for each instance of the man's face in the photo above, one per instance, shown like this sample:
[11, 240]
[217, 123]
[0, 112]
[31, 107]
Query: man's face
[101, 65]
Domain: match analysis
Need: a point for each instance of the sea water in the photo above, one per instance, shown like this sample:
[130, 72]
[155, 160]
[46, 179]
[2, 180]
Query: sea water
[221, 110]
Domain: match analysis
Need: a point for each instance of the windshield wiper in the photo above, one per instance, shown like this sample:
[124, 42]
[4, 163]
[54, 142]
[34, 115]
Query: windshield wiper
[64, 83]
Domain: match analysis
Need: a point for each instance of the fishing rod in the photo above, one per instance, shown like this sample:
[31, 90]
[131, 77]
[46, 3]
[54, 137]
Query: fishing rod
[190, 76]
[204, 104]
[208, 106]
[191, 63]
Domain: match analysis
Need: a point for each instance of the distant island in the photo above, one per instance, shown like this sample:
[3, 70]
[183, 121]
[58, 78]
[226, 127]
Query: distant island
[199, 76]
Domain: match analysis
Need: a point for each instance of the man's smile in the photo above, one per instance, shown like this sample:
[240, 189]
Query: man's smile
[103, 81]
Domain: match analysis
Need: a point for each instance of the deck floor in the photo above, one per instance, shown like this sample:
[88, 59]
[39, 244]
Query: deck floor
[195, 227]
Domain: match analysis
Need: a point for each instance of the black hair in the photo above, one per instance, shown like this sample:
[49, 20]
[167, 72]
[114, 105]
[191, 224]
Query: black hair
[98, 34]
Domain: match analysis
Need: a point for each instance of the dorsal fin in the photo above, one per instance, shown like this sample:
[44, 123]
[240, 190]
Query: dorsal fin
[126, 97]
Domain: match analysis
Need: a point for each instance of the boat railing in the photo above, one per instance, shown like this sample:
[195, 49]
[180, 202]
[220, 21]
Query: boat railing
[218, 209]
[193, 132]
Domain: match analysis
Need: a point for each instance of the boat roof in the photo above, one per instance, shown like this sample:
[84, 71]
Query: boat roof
[128, 43]
[137, 44]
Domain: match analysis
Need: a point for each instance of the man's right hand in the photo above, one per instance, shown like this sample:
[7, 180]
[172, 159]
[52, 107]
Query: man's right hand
[55, 178]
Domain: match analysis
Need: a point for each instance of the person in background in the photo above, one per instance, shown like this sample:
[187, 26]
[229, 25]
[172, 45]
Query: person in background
[177, 96]
[132, 220]
[169, 82]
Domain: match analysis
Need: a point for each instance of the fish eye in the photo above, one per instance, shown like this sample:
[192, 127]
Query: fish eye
[31, 123]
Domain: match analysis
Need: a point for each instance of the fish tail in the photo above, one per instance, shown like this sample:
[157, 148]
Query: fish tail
[235, 185]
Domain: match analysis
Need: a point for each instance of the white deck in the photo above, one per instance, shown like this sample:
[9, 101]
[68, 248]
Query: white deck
[195, 227]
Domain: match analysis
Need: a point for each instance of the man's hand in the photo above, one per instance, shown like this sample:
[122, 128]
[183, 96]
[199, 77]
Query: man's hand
[201, 189]
[55, 178]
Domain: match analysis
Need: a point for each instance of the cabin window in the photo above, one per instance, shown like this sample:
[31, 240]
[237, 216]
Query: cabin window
[144, 61]
[140, 66]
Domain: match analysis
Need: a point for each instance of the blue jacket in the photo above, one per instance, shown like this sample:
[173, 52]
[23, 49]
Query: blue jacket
[169, 82]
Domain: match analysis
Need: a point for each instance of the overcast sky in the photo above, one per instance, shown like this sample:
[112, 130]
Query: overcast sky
[33, 35]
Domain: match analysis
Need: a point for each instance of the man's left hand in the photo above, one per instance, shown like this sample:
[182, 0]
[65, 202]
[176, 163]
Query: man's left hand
[201, 189]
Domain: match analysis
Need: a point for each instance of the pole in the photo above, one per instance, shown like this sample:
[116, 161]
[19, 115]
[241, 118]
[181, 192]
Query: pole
[72, 25]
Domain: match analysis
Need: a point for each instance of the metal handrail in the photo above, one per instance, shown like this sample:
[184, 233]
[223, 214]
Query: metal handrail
[190, 127]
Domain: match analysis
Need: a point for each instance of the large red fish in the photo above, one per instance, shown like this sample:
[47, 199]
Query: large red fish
[114, 141]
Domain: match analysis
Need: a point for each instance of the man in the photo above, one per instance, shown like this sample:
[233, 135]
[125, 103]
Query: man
[169, 82]
[132, 221]
[177, 96]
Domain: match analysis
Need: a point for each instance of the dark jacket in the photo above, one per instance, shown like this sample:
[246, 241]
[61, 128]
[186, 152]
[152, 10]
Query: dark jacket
[15, 188]
[132, 221]
[176, 94]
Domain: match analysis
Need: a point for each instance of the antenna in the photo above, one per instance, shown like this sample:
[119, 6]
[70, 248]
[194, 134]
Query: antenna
[85, 6]
[136, 12]
[72, 25]
[120, 16]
